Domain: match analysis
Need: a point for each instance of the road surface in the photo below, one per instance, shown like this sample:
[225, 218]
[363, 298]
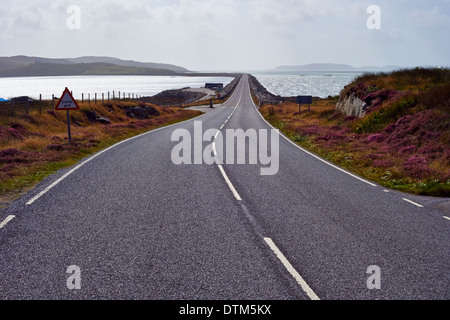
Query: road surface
[137, 226]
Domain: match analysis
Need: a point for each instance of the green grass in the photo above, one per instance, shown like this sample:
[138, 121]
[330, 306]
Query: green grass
[353, 160]
[379, 119]
[26, 177]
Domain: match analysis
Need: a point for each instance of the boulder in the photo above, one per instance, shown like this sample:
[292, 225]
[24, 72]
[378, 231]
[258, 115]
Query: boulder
[351, 105]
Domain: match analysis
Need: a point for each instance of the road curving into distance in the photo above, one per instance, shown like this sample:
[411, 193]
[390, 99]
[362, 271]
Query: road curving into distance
[137, 226]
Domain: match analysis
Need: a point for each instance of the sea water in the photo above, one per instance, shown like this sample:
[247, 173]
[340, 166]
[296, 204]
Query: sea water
[318, 84]
[138, 85]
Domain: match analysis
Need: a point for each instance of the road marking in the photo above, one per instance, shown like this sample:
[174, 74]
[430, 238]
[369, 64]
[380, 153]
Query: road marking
[414, 203]
[306, 288]
[54, 184]
[224, 174]
[5, 222]
[312, 154]
[230, 185]
[446, 218]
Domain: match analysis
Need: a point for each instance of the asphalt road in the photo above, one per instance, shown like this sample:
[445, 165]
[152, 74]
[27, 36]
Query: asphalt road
[138, 226]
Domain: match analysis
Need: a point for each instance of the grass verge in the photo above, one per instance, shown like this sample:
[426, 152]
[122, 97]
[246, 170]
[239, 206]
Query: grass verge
[35, 146]
[403, 158]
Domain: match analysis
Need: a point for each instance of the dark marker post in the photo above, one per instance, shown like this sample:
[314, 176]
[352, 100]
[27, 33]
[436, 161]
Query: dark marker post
[68, 126]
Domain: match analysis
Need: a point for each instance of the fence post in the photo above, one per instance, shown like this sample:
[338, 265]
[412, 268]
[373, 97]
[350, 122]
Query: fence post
[103, 98]
[108, 96]
[89, 98]
[82, 97]
[40, 103]
[119, 95]
[96, 98]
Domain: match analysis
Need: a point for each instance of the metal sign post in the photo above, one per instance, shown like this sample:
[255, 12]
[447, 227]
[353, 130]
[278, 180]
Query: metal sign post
[68, 126]
[304, 100]
[67, 102]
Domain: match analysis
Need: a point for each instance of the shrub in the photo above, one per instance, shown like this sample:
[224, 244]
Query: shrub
[375, 138]
[417, 167]
[382, 164]
[375, 121]
[409, 150]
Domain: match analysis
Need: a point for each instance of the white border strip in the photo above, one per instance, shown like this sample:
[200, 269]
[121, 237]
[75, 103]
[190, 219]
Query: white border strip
[222, 170]
[5, 222]
[306, 288]
[414, 203]
[230, 185]
[54, 184]
[312, 154]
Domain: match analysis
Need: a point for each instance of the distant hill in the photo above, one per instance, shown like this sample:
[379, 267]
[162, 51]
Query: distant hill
[129, 63]
[334, 67]
[24, 66]
[54, 69]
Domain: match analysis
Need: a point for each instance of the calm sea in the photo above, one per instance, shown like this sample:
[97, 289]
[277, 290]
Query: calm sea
[140, 85]
[317, 84]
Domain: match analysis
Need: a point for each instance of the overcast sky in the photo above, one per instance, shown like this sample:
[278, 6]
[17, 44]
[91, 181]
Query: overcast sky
[231, 35]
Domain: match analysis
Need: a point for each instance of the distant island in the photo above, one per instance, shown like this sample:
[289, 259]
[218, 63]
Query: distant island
[335, 67]
[24, 66]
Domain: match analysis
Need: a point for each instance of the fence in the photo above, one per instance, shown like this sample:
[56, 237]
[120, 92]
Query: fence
[26, 104]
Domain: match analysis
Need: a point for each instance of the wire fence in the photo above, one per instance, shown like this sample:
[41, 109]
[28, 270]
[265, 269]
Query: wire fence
[26, 105]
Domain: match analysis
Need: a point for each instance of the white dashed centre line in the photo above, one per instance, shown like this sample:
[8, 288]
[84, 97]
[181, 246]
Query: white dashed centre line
[414, 203]
[5, 222]
[306, 288]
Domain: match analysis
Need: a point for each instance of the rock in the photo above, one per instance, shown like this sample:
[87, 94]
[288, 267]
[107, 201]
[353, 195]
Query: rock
[91, 115]
[352, 105]
[103, 120]
[141, 113]
[261, 93]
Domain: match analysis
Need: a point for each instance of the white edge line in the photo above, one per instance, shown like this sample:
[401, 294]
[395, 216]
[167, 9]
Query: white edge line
[414, 203]
[5, 222]
[224, 174]
[312, 154]
[446, 218]
[35, 198]
[306, 288]
[54, 184]
[230, 185]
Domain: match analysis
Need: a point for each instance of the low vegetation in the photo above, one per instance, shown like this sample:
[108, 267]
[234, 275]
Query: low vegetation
[402, 142]
[36, 145]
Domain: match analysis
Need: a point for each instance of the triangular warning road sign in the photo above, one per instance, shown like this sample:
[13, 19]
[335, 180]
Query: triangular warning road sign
[67, 102]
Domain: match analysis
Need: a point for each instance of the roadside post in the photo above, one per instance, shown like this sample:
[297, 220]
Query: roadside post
[67, 102]
[304, 100]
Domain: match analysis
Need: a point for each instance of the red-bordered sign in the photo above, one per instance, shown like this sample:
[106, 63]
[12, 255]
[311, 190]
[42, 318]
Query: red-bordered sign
[67, 102]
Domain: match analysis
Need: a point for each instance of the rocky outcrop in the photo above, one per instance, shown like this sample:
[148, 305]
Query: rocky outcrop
[229, 89]
[93, 117]
[352, 106]
[142, 112]
[261, 93]
[360, 99]
[174, 97]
